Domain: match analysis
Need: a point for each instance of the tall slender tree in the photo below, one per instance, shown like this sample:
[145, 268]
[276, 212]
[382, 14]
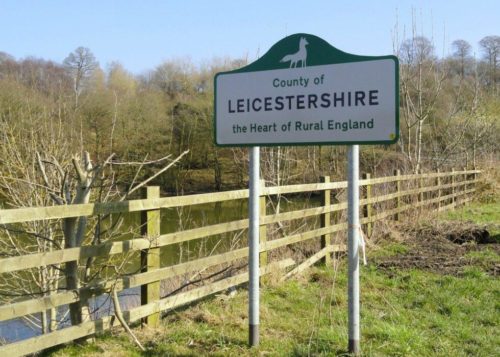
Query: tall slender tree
[80, 64]
[490, 45]
[462, 53]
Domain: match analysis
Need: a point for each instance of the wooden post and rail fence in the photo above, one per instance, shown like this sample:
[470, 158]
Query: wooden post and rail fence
[382, 197]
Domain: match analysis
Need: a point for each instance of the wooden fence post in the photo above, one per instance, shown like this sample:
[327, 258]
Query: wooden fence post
[464, 186]
[397, 173]
[325, 220]
[368, 207]
[474, 178]
[453, 199]
[262, 227]
[150, 258]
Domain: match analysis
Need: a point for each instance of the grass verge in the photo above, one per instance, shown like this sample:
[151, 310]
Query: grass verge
[481, 213]
[408, 313]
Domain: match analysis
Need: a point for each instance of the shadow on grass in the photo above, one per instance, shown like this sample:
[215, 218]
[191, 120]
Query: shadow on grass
[203, 347]
[302, 351]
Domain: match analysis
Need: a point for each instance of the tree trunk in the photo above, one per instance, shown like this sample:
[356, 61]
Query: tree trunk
[74, 234]
[419, 146]
[217, 172]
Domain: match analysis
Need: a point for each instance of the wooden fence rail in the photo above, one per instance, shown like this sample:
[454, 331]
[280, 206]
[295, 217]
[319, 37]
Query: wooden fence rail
[385, 197]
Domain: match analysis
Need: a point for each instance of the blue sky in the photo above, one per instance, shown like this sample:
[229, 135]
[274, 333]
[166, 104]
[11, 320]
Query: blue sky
[142, 34]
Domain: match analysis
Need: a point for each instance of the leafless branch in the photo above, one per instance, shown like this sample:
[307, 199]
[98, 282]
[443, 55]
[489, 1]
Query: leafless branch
[141, 163]
[158, 173]
[119, 316]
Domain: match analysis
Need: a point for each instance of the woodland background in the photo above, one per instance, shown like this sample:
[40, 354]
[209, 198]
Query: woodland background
[449, 107]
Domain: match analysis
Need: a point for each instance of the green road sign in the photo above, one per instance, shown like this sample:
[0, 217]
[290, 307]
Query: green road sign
[305, 91]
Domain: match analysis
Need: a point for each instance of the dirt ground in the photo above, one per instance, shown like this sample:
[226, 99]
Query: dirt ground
[445, 248]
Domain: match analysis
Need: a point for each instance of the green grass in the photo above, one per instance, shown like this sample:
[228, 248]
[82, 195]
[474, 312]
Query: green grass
[403, 313]
[481, 213]
[485, 214]
[410, 313]
[390, 249]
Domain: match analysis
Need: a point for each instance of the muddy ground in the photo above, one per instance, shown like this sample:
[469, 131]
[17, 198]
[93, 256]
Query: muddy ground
[445, 248]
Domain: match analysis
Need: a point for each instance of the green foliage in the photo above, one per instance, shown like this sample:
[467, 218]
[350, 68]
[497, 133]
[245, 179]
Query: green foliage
[170, 109]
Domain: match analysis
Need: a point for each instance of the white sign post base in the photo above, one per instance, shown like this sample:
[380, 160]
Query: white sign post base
[254, 247]
[353, 247]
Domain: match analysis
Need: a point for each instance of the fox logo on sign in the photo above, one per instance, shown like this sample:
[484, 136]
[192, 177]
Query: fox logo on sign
[299, 56]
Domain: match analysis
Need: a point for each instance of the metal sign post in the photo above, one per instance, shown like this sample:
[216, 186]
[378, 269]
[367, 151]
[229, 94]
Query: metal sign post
[304, 91]
[253, 246]
[353, 247]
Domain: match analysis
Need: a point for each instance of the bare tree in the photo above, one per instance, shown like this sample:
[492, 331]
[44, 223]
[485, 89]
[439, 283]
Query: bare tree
[37, 169]
[462, 53]
[421, 84]
[175, 77]
[22, 134]
[491, 50]
[80, 64]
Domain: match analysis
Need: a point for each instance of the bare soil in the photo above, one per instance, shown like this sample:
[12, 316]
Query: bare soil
[444, 248]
